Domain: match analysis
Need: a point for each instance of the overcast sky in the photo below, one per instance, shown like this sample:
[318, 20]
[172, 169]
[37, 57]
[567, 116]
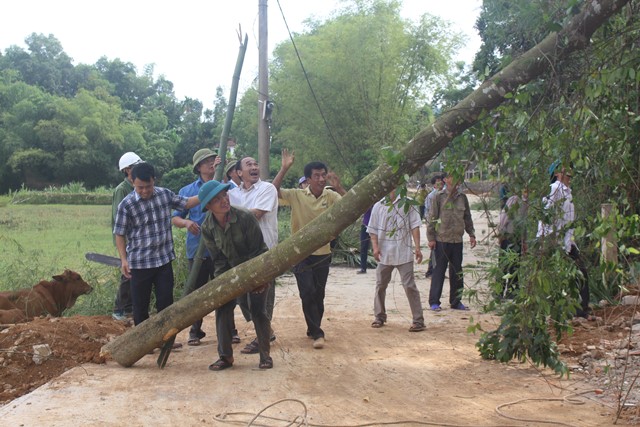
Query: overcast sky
[192, 42]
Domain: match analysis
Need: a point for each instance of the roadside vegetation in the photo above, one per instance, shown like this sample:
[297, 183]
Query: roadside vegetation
[379, 79]
[39, 240]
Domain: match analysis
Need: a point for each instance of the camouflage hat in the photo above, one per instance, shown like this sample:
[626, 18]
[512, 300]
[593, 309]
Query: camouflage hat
[200, 155]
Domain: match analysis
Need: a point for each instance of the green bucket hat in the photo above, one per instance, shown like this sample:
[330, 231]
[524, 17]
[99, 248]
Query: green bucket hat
[209, 190]
[200, 155]
[230, 165]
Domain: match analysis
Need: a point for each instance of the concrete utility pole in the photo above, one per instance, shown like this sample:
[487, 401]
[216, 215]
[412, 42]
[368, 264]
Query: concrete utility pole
[264, 110]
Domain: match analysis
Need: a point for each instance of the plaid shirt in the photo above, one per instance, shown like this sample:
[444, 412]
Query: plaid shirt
[146, 224]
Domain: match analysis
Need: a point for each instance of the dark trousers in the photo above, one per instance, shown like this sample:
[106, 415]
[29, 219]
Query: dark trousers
[311, 275]
[143, 281]
[123, 304]
[447, 254]
[243, 302]
[204, 275]
[582, 281]
[509, 266]
[225, 325]
[365, 239]
[431, 261]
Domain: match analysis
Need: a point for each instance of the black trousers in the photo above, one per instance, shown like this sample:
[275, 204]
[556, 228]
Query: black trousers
[123, 304]
[509, 266]
[143, 281]
[582, 281]
[365, 239]
[447, 255]
[204, 275]
[311, 275]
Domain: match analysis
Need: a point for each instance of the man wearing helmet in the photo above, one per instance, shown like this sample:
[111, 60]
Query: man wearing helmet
[123, 306]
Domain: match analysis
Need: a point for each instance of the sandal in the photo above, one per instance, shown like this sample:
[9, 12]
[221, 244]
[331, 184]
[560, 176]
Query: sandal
[417, 327]
[251, 348]
[193, 341]
[220, 365]
[377, 324]
[266, 363]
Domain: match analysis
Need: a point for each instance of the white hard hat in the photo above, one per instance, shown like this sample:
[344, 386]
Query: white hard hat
[128, 159]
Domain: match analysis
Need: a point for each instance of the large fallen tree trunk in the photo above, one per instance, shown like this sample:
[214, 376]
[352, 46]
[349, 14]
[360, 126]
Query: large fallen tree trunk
[138, 341]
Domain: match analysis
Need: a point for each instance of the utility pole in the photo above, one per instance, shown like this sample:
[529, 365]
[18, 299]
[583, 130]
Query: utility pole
[264, 107]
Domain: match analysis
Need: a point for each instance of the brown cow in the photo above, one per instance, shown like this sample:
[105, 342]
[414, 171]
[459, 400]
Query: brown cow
[47, 297]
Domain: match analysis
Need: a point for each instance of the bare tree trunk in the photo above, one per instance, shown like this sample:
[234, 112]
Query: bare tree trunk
[135, 343]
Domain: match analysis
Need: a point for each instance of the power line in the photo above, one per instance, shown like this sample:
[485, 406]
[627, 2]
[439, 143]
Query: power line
[313, 93]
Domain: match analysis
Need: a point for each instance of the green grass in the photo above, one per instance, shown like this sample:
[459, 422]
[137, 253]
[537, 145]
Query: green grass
[53, 237]
[39, 241]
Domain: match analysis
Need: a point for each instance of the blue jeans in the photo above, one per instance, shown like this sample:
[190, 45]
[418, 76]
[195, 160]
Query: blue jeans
[143, 281]
[311, 275]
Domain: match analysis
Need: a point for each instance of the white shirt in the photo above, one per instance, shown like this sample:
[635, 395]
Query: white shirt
[559, 198]
[263, 196]
[429, 200]
[393, 229]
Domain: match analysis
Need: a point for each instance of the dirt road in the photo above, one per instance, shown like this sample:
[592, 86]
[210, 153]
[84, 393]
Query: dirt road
[363, 375]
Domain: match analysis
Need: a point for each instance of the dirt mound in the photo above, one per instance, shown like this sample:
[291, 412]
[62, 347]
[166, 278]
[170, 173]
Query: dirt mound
[71, 341]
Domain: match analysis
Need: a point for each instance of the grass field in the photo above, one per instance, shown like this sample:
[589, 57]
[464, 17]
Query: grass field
[50, 238]
[39, 241]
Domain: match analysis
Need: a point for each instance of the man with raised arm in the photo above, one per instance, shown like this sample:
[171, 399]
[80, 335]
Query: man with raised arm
[306, 204]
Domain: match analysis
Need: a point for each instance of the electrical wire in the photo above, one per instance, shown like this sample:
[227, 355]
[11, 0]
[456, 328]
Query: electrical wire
[315, 98]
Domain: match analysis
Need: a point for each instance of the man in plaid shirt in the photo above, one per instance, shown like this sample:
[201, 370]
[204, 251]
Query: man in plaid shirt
[144, 240]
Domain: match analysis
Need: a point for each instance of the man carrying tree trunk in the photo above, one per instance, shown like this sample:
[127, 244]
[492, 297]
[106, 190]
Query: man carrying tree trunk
[312, 272]
[205, 162]
[232, 236]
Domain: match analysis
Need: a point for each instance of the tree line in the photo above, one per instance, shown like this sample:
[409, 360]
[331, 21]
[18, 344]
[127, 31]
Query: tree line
[371, 71]
[61, 122]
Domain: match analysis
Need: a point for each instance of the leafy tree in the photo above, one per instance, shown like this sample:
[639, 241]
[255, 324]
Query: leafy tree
[585, 114]
[46, 65]
[509, 28]
[127, 85]
[21, 107]
[245, 124]
[191, 136]
[214, 119]
[370, 70]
